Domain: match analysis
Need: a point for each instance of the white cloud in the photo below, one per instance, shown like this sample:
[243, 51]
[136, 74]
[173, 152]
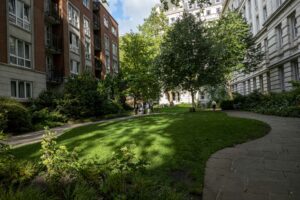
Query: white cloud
[134, 12]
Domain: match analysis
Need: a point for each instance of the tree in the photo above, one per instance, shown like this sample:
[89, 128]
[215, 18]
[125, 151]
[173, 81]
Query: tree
[184, 56]
[234, 48]
[137, 66]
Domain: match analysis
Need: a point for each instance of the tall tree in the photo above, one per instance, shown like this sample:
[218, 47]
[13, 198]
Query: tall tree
[184, 56]
[136, 59]
[234, 47]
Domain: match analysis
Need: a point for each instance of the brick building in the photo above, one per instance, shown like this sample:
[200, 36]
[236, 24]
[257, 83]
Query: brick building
[44, 42]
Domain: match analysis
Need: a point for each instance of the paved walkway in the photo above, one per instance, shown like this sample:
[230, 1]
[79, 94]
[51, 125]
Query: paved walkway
[34, 137]
[263, 169]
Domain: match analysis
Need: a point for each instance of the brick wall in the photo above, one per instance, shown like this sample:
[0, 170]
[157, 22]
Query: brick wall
[3, 35]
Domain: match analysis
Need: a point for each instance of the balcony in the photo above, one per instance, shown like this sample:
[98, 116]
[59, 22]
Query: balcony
[54, 77]
[96, 5]
[96, 22]
[97, 43]
[52, 13]
[53, 44]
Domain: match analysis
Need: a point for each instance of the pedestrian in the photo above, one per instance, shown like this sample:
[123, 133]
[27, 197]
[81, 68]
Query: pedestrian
[214, 105]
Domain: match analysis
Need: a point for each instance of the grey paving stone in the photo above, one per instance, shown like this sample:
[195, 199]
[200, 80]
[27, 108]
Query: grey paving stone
[266, 168]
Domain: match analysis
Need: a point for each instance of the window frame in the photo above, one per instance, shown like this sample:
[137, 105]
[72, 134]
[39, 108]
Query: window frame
[16, 56]
[72, 10]
[22, 22]
[17, 89]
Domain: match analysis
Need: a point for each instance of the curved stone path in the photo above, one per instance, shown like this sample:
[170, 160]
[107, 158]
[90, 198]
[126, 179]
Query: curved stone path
[264, 169]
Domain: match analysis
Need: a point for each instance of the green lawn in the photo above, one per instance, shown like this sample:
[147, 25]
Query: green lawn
[177, 146]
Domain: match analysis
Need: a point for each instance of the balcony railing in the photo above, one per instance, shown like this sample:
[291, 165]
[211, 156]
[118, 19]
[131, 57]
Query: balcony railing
[54, 77]
[96, 5]
[53, 43]
[97, 43]
[96, 22]
[52, 13]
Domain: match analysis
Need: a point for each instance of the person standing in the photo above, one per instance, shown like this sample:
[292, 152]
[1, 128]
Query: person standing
[214, 105]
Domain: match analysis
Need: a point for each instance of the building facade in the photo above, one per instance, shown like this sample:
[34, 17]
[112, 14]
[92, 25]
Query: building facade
[209, 12]
[44, 42]
[275, 25]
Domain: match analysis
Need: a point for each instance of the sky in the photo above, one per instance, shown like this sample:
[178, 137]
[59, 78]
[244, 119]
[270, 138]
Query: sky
[130, 13]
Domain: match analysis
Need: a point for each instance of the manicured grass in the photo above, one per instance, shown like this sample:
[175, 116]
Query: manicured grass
[177, 146]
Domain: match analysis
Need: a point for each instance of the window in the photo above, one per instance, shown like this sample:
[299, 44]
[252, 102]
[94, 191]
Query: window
[105, 22]
[74, 67]
[73, 16]
[293, 26]
[74, 43]
[21, 89]
[115, 49]
[106, 43]
[208, 12]
[257, 23]
[265, 13]
[107, 63]
[269, 81]
[281, 78]
[218, 10]
[87, 49]
[279, 2]
[254, 84]
[19, 14]
[244, 88]
[249, 86]
[86, 27]
[86, 3]
[261, 83]
[217, 1]
[279, 36]
[114, 31]
[20, 53]
[115, 66]
[295, 70]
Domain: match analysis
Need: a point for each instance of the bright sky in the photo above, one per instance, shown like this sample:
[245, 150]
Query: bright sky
[130, 13]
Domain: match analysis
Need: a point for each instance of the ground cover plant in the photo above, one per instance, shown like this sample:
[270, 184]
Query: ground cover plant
[175, 145]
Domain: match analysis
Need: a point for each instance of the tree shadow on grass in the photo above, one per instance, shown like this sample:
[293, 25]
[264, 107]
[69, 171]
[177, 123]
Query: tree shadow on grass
[176, 146]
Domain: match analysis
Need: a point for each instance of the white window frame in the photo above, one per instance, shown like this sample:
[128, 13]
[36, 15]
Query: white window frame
[25, 89]
[21, 22]
[114, 30]
[293, 26]
[16, 55]
[74, 45]
[86, 3]
[74, 71]
[88, 52]
[295, 70]
[86, 27]
[279, 36]
[73, 16]
[105, 21]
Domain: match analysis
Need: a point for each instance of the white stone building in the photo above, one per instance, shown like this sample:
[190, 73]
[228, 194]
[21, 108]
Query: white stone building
[207, 13]
[276, 26]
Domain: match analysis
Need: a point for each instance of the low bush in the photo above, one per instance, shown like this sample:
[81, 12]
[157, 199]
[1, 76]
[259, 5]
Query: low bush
[227, 105]
[111, 107]
[286, 104]
[17, 116]
[47, 99]
[45, 118]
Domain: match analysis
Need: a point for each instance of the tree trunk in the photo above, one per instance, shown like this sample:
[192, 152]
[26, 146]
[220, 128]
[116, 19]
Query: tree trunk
[228, 89]
[193, 109]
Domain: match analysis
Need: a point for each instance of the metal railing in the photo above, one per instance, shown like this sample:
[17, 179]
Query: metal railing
[97, 43]
[53, 76]
[53, 43]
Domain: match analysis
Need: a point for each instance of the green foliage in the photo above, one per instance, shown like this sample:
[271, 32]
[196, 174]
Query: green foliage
[23, 194]
[47, 99]
[79, 190]
[137, 58]
[45, 118]
[227, 105]
[111, 107]
[285, 104]
[3, 121]
[81, 98]
[184, 56]
[16, 116]
[59, 162]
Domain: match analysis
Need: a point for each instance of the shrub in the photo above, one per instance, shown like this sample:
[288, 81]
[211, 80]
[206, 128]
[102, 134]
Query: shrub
[227, 105]
[59, 162]
[17, 116]
[81, 98]
[47, 99]
[111, 107]
[45, 118]
[23, 193]
[3, 121]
